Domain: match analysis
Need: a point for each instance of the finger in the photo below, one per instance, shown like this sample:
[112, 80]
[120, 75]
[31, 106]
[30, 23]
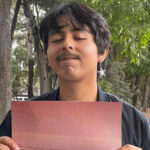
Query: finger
[9, 143]
[129, 147]
[4, 147]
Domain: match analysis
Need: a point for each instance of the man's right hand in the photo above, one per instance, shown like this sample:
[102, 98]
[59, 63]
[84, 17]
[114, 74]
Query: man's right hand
[6, 143]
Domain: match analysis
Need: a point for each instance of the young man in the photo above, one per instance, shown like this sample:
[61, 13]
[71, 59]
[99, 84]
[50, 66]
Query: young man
[76, 40]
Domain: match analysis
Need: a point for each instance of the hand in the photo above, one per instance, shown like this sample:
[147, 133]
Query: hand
[6, 143]
[129, 147]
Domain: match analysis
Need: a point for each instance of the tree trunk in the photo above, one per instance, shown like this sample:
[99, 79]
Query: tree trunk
[146, 93]
[136, 91]
[5, 58]
[41, 57]
[30, 78]
[30, 62]
[14, 21]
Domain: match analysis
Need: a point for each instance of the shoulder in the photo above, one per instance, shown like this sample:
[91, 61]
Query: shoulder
[126, 107]
[135, 126]
[5, 127]
[47, 96]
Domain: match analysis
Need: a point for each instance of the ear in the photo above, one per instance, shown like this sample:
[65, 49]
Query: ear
[103, 56]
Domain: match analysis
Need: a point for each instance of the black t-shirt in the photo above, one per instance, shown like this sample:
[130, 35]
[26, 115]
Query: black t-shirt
[135, 126]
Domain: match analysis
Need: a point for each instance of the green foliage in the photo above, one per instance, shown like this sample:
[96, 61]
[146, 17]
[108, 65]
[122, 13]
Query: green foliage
[142, 69]
[117, 79]
[128, 21]
[19, 69]
[106, 86]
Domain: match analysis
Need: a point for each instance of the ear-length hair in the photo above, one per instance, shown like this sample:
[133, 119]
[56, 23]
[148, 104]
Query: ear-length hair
[83, 15]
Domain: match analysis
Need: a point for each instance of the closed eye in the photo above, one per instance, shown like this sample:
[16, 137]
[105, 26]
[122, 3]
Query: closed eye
[78, 38]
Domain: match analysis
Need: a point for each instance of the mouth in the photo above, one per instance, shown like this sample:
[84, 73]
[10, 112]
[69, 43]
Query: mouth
[67, 58]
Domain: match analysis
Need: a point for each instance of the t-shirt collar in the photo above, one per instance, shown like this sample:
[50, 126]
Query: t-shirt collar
[99, 94]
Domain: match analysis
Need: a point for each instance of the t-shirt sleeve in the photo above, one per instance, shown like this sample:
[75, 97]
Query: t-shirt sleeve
[5, 127]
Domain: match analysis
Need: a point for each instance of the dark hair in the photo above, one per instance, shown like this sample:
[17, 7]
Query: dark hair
[83, 15]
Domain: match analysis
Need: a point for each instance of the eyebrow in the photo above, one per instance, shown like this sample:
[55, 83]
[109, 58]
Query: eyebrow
[74, 29]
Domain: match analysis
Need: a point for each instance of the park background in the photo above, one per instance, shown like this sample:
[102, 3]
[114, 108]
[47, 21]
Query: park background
[23, 64]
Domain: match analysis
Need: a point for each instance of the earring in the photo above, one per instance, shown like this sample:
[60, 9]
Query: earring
[101, 71]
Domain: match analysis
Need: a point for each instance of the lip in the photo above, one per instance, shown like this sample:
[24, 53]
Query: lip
[67, 58]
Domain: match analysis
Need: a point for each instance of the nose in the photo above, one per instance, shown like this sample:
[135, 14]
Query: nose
[68, 44]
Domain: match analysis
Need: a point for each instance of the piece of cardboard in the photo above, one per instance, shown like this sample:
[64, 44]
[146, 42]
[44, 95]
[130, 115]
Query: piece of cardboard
[60, 125]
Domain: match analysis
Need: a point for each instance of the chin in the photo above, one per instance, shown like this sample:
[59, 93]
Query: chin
[70, 78]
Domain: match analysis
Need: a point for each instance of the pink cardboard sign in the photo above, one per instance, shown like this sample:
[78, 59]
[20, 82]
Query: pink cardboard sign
[60, 125]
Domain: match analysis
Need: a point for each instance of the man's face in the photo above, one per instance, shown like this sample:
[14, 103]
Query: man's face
[72, 52]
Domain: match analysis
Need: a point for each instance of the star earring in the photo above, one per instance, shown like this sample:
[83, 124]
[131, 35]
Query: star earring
[101, 71]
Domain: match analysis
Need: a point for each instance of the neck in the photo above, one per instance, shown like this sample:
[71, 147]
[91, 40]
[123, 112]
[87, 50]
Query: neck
[78, 91]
